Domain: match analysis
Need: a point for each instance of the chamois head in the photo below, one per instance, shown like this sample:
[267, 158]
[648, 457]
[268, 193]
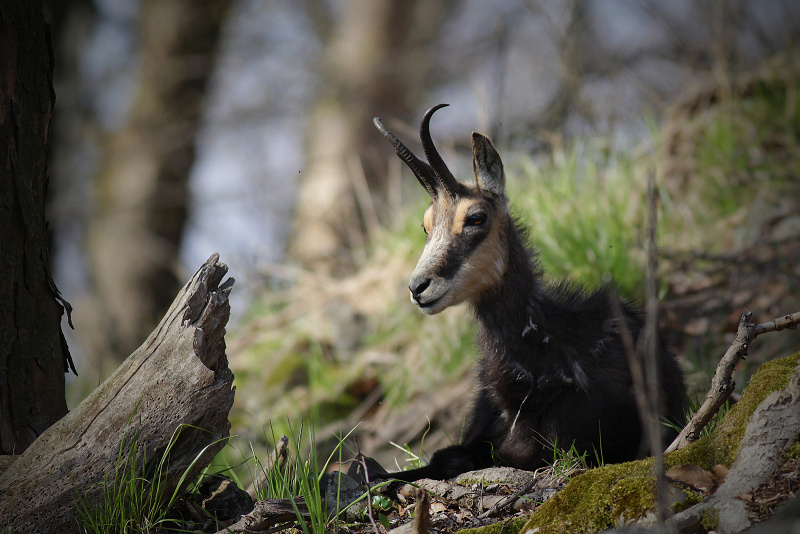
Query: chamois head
[465, 224]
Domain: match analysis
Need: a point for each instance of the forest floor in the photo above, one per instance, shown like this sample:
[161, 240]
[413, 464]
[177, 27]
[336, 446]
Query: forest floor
[505, 498]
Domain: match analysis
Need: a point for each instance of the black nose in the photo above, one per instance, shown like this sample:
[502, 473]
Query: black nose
[417, 288]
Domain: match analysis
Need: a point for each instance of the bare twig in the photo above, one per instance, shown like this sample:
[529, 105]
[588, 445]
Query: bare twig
[509, 499]
[361, 459]
[776, 325]
[722, 384]
[649, 348]
[637, 375]
[277, 461]
[422, 517]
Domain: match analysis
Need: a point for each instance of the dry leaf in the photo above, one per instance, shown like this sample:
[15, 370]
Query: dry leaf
[693, 476]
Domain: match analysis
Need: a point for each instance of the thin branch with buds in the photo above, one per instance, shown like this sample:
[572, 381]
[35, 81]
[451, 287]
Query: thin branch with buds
[722, 384]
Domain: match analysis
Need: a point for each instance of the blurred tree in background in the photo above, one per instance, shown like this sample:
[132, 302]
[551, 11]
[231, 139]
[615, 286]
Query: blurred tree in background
[375, 60]
[244, 127]
[141, 186]
[140, 189]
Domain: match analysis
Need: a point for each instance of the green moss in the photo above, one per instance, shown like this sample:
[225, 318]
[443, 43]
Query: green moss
[710, 519]
[633, 496]
[596, 499]
[722, 445]
[793, 452]
[501, 527]
[692, 498]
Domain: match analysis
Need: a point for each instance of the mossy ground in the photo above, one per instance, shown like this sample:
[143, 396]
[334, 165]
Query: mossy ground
[501, 527]
[722, 445]
[602, 497]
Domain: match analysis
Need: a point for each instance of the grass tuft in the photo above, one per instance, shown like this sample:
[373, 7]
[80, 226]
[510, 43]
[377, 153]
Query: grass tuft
[297, 476]
[134, 491]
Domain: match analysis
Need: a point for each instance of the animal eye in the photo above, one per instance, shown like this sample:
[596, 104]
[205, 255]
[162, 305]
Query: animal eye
[424, 229]
[476, 219]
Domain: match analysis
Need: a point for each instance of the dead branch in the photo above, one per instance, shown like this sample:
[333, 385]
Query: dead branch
[267, 514]
[652, 421]
[509, 499]
[422, 517]
[781, 323]
[722, 383]
[362, 462]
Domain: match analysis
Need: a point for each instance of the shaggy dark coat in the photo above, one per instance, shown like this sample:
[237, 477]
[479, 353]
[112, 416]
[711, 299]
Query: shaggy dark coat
[554, 373]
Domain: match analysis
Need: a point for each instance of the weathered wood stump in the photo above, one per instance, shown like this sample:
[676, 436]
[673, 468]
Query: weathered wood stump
[179, 377]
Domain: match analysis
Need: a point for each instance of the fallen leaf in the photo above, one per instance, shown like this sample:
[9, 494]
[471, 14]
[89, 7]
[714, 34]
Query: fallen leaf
[437, 507]
[718, 473]
[693, 476]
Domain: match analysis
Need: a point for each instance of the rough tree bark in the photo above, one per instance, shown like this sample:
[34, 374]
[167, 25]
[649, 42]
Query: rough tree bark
[141, 188]
[179, 376]
[33, 353]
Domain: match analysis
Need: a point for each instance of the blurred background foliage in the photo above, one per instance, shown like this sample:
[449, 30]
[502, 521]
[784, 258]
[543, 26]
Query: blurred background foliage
[243, 127]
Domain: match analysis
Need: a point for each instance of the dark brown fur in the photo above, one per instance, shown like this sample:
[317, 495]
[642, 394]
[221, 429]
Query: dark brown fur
[553, 372]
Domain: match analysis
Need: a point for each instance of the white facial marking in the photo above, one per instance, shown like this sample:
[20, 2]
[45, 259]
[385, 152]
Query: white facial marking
[480, 268]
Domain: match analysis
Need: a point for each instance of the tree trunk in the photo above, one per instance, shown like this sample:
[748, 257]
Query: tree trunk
[140, 195]
[374, 64]
[33, 353]
[179, 378]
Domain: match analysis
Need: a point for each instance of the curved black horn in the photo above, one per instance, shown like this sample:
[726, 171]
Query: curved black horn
[421, 170]
[446, 178]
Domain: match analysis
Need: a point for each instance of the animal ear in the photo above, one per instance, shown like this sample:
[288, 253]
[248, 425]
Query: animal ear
[487, 165]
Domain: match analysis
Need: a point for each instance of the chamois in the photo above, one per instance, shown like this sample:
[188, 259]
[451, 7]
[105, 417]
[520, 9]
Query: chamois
[553, 371]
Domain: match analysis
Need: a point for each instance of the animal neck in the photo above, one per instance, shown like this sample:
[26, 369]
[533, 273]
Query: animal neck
[512, 313]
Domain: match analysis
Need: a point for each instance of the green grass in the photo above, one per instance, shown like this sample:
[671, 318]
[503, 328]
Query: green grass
[586, 213]
[741, 162]
[134, 496]
[567, 462]
[414, 460]
[297, 476]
